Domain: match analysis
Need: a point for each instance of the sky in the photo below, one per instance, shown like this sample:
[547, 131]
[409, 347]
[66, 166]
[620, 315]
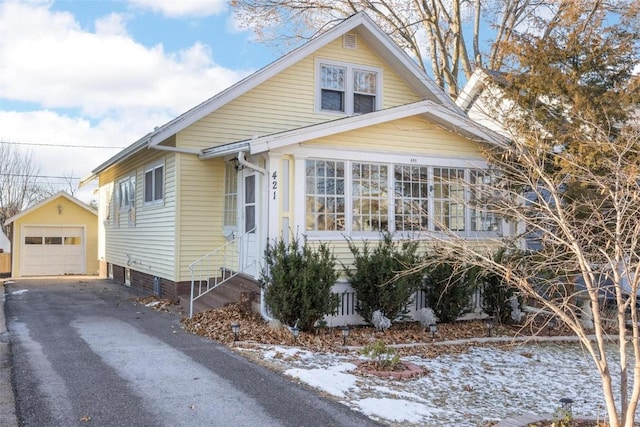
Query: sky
[82, 79]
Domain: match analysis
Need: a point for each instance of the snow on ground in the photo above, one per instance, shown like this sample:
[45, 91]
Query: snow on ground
[466, 389]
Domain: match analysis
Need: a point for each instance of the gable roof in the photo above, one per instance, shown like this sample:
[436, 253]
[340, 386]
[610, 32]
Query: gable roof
[37, 206]
[427, 109]
[366, 28]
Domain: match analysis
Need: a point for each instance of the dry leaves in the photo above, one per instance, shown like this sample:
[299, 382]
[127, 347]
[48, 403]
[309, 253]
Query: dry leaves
[216, 324]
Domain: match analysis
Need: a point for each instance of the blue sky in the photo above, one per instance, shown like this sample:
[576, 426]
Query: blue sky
[80, 74]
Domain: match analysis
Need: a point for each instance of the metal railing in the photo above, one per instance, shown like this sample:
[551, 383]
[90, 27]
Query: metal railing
[217, 267]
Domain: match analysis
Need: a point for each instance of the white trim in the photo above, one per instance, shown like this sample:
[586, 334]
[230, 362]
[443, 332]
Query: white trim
[152, 167]
[50, 199]
[428, 109]
[350, 68]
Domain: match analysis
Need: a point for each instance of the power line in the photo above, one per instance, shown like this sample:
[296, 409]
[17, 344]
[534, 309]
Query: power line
[41, 144]
[37, 176]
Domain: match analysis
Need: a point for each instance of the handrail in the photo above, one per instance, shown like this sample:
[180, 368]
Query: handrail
[215, 268]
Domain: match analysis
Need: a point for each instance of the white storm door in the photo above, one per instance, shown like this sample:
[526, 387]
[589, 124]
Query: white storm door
[249, 223]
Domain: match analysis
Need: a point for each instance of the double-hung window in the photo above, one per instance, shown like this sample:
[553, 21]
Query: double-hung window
[126, 198]
[348, 88]
[154, 183]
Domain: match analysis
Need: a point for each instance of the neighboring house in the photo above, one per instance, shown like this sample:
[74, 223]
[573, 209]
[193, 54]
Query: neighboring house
[5, 243]
[343, 137]
[57, 236]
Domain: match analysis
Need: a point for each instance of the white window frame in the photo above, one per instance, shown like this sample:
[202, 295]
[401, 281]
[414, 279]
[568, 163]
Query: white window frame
[230, 195]
[129, 205]
[153, 168]
[349, 85]
[391, 161]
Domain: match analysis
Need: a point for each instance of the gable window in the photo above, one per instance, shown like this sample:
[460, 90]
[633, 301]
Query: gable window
[348, 88]
[357, 197]
[154, 183]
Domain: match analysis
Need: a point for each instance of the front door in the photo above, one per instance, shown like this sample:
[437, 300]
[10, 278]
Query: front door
[249, 223]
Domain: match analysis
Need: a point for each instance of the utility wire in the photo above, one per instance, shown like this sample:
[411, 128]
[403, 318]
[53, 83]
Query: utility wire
[41, 144]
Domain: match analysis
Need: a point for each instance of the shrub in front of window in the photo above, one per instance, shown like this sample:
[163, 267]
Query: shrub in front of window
[448, 290]
[380, 276]
[298, 282]
[497, 297]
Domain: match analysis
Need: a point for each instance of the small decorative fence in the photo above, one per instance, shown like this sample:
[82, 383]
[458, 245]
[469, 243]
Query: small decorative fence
[346, 313]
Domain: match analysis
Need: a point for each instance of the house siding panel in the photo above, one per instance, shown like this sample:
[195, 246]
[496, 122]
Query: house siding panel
[412, 135]
[148, 245]
[200, 212]
[286, 101]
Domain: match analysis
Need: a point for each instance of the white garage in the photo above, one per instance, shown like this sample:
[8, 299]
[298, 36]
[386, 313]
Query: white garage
[55, 237]
[52, 251]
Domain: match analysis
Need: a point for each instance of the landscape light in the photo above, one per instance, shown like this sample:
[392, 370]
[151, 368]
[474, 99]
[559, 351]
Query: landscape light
[490, 325]
[235, 328]
[345, 334]
[434, 329]
[295, 331]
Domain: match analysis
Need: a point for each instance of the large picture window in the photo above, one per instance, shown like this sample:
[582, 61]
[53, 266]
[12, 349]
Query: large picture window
[355, 197]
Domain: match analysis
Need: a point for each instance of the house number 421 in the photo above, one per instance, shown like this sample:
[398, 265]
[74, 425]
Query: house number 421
[274, 184]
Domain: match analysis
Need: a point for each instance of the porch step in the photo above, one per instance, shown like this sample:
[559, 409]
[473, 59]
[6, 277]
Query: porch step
[228, 293]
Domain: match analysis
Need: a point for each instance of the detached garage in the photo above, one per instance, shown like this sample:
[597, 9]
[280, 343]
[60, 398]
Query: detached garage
[58, 236]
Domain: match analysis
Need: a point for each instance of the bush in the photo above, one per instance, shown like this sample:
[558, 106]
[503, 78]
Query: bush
[497, 296]
[298, 282]
[448, 290]
[380, 278]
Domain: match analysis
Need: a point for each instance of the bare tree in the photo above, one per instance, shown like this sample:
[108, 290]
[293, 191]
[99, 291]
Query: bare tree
[568, 181]
[446, 37]
[19, 188]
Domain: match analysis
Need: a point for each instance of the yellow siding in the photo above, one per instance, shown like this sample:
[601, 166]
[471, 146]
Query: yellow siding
[286, 101]
[412, 135]
[200, 210]
[49, 215]
[148, 244]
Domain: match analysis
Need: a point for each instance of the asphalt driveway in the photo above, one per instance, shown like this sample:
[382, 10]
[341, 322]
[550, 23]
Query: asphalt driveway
[84, 354]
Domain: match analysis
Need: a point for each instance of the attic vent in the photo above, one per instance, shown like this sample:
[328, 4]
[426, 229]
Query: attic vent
[349, 41]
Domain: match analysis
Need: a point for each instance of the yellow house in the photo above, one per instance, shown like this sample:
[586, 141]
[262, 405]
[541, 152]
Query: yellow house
[57, 236]
[343, 137]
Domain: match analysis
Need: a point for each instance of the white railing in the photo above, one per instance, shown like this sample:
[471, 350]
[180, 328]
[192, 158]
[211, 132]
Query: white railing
[215, 268]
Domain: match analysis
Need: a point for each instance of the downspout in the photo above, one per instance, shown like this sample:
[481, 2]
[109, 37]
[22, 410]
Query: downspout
[243, 161]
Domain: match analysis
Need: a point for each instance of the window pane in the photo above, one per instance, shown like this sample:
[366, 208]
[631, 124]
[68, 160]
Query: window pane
[72, 240]
[324, 201]
[332, 77]
[32, 240]
[250, 218]
[363, 104]
[148, 186]
[53, 240]
[158, 185]
[364, 82]
[332, 100]
[370, 197]
[449, 198]
[411, 198]
[250, 189]
[230, 195]
[480, 191]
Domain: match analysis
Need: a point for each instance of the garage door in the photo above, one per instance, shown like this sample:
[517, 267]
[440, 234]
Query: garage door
[52, 251]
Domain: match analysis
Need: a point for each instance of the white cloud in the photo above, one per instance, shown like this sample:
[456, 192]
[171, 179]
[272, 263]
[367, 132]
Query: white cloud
[121, 88]
[51, 61]
[182, 8]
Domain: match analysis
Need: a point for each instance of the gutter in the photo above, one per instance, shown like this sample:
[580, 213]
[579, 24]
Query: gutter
[175, 149]
[243, 161]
